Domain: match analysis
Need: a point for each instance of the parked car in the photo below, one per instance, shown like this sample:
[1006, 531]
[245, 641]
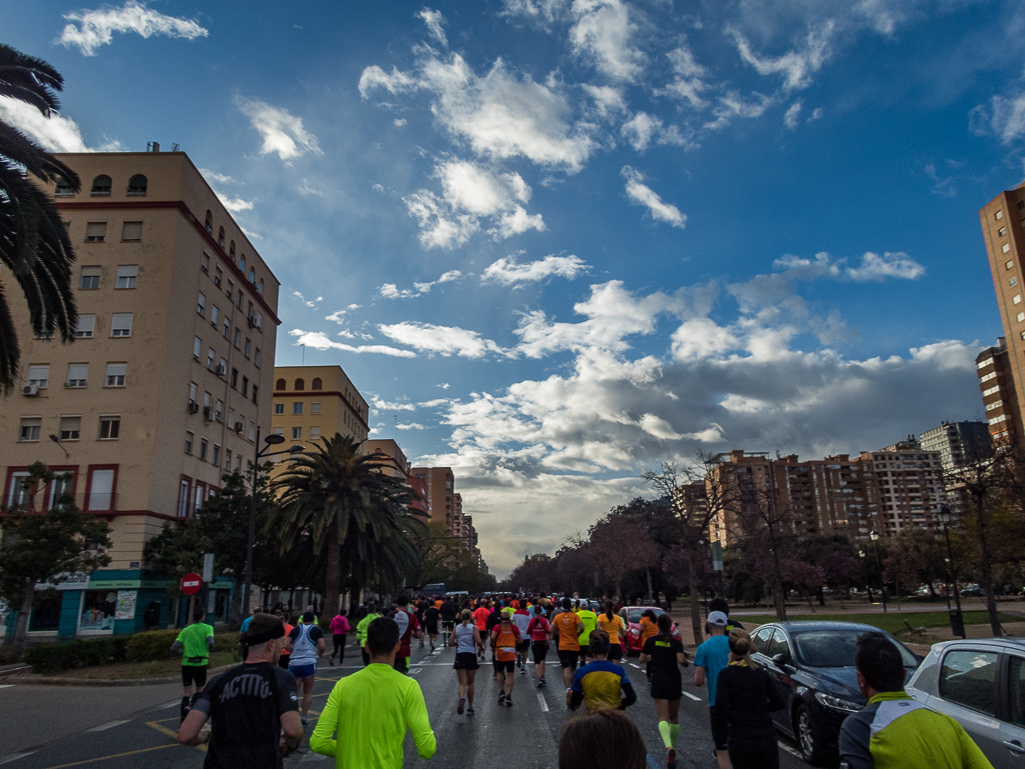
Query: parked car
[981, 683]
[812, 664]
[633, 626]
[973, 591]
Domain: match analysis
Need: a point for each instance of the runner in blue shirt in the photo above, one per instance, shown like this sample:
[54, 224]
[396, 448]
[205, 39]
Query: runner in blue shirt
[712, 656]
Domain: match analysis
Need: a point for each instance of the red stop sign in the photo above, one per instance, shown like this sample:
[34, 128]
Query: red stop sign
[191, 583]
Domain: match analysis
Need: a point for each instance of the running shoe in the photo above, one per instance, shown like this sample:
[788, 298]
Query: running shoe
[501, 698]
[671, 760]
[540, 684]
[470, 711]
[462, 704]
[303, 719]
[508, 701]
[331, 661]
[432, 647]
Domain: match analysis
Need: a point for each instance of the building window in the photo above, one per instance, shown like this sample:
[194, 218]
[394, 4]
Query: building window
[279, 408]
[227, 328]
[234, 378]
[252, 435]
[315, 407]
[297, 408]
[300, 384]
[314, 432]
[131, 231]
[297, 433]
[101, 489]
[257, 357]
[39, 375]
[1016, 299]
[1005, 248]
[231, 251]
[260, 289]
[248, 349]
[208, 223]
[30, 427]
[126, 275]
[279, 384]
[121, 324]
[240, 298]
[256, 390]
[216, 456]
[202, 448]
[1002, 231]
[137, 185]
[222, 368]
[86, 326]
[70, 428]
[999, 215]
[197, 347]
[218, 276]
[90, 278]
[1008, 264]
[242, 263]
[238, 338]
[317, 384]
[201, 303]
[65, 188]
[95, 232]
[220, 237]
[189, 438]
[116, 373]
[110, 427]
[183, 498]
[1012, 282]
[213, 315]
[245, 385]
[227, 460]
[77, 374]
[210, 357]
[101, 185]
[1021, 316]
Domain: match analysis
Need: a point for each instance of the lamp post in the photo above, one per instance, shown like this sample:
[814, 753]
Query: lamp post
[956, 620]
[271, 440]
[874, 536]
[57, 440]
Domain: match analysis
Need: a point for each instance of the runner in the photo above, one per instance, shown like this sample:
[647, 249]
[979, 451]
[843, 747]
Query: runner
[409, 629]
[505, 637]
[480, 616]
[285, 653]
[339, 631]
[612, 624]
[367, 714]
[306, 643]
[242, 631]
[194, 644]
[361, 631]
[448, 611]
[567, 627]
[601, 684]
[721, 604]
[493, 620]
[467, 640]
[664, 655]
[539, 631]
[590, 620]
[711, 657]
[521, 618]
[604, 739]
[252, 707]
[649, 629]
[431, 616]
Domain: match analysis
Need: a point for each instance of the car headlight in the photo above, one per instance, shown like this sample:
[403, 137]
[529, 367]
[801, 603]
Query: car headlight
[634, 631]
[836, 703]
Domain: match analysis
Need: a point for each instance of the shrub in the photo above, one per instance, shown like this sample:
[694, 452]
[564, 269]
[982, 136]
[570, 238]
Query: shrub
[58, 657]
[225, 642]
[151, 645]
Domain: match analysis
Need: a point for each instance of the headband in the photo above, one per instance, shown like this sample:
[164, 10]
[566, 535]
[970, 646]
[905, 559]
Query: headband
[278, 631]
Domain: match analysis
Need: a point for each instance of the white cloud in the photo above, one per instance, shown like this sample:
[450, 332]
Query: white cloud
[399, 122]
[890, 265]
[383, 405]
[445, 340]
[308, 302]
[640, 193]
[395, 83]
[507, 272]
[689, 81]
[215, 176]
[391, 291]
[607, 100]
[282, 132]
[602, 34]
[940, 185]
[1003, 117]
[338, 316]
[410, 426]
[641, 129]
[732, 105]
[433, 20]
[233, 204]
[795, 67]
[54, 133]
[793, 115]
[96, 28]
[319, 341]
[537, 10]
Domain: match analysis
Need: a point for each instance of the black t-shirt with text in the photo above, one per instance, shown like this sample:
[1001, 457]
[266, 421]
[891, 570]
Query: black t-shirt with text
[663, 651]
[245, 705]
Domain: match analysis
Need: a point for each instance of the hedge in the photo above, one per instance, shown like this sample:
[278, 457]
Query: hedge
[58, 657]
[156, 645]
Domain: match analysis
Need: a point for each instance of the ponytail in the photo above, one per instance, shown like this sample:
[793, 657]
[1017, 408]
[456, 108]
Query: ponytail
[740, 643]
[665, 624]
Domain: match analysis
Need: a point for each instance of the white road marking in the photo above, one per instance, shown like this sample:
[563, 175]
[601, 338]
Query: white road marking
[541, 700]
[15, 757]
[171, 704]
[636, 665]
[688, 694]
[414, 670]
[791, 751]
[111, 725]
[6, 686]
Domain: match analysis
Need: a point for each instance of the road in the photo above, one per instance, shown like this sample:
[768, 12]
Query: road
[49, 727]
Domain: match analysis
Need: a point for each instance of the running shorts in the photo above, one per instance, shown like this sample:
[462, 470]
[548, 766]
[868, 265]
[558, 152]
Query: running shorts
[303, 671]
[616, 651]
[523, 646]
[540, 651]
[402, 665]
[432, 629]
[505, 666]
[720, 736]
[663, 688]
[466, 661]
[569, 658]
[194, 673]
[448, 625]
[585, 651]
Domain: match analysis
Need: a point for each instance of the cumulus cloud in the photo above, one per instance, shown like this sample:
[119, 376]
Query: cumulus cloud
[96, 28]
[792, 115]
[795, 67]
[433, 20]
[282, 132]
[308, 302]
[537, 10]
[689, 81]
[215, 180]
[874, 267]
[391, 291]
[640, 193]
[1003, 117]
[410, 426]
[338, 316]
[507, 271]
[319, 341]
[54, 133]
[608, 101]
[602, 34]
[444, 340]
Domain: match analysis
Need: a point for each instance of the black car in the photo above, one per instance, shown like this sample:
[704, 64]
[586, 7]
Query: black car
[812, 663]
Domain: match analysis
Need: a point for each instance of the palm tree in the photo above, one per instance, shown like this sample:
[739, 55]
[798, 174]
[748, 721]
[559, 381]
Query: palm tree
[34, 243]
[352, 511]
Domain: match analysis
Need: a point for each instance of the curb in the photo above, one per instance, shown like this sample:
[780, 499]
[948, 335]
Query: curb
[32, 679]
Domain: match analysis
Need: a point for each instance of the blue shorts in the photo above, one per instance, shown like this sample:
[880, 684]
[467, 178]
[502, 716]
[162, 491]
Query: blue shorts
[303, 671]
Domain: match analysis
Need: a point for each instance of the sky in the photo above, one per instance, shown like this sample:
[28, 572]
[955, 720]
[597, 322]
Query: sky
[557, 242]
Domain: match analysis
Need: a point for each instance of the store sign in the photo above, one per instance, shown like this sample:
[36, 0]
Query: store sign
[125, 584]
[77, 580]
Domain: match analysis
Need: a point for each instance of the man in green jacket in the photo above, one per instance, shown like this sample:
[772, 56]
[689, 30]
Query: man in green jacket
[194, 644]
[894, 731]
[367, 714]
[361, 631]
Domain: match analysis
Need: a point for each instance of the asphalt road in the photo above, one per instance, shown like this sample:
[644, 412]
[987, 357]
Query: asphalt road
[133, 727]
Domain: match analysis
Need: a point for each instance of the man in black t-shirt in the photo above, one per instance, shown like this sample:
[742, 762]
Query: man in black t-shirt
[430, 622]
[448, 619]
[253, 707]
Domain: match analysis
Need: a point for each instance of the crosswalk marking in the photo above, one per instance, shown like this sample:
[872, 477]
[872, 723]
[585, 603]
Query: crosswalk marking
[414, 670]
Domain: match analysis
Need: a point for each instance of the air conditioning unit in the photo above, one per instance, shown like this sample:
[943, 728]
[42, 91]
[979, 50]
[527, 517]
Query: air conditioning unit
[240, 426]
[252, 321]
[30, 390]
[222, 369]
[193, 407]
[207, 414]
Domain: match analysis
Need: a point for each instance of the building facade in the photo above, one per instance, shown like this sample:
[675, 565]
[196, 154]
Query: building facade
[999, 392]
[958, 443]
[393, 462]
[165, 385]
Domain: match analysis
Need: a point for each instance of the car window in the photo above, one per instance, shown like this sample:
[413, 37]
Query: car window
[1016, 690]
[634, 615]
[780, 645]
[969, 678]
[761, 639]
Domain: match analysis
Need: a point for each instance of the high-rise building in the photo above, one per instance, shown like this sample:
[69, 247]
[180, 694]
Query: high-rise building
[165, 385]
[440, 483]
[1003, 230]
[999, 394]
[392, 461]
[958, 443]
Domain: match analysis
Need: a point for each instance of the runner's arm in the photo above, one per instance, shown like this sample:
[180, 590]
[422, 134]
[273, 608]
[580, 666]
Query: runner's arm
[644, 659]
[418, 722]
[477, 640]
[699, 676]
[681, 659]
[188, 732]
[629, 695]
[323, 740]
[291, 732]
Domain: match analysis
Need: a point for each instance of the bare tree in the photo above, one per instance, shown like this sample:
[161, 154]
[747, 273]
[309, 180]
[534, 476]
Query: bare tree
[765, 516]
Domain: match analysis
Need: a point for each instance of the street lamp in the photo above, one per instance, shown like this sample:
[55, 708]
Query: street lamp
[271, 440]
[956, 626]
[57, 440]
[874, 536]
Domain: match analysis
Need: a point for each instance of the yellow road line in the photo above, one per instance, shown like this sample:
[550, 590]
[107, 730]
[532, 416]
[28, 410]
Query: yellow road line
[169, 732]
[116, 755]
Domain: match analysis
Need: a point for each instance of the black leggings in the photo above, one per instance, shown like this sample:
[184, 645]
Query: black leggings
[339, 640]
[754, 751]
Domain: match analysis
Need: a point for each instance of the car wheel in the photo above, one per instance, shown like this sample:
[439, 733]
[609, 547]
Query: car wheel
[810, 740]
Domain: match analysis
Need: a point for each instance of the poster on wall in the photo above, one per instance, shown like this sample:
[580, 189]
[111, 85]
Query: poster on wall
[125, 604]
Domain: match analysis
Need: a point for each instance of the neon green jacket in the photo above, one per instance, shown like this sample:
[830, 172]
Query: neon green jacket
[370, 712]
[361, 628]
[895, 732]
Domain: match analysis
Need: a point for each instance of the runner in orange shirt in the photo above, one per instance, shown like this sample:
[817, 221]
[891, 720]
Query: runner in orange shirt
[505, 637]
[568, 626]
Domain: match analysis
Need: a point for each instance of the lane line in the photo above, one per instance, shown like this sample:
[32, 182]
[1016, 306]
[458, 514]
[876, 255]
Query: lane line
[688, 694]
[791, 751]
[16, 756]
[415, 670]
[6, 686]
[116, 755]
[171, 704]
[110, 725]
[544, 705]
[636, 665]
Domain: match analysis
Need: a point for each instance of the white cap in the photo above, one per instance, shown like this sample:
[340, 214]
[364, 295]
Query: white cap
[717, 618]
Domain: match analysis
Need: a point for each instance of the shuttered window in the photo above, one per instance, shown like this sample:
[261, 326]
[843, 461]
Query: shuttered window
[131, 231]
[77, 374]
[86, 326]
[95, 232]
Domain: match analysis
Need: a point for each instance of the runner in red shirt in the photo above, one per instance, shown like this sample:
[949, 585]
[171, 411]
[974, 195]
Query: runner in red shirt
[409, 628]
[539, 631]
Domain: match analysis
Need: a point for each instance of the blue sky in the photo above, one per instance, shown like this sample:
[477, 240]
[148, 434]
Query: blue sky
[555, 242]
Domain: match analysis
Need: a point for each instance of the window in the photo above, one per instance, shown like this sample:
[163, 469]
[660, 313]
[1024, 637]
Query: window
[231, 419]
[297, 407]
[1016, 299]
[252, 435]
[242, 263]
[213, 315]
[252, 275]
[279, 408]
[260, 289]
[121, 324]
[991, 391]
[77, 374]
[222, 368]
[227, 459]
[1009, 264]
[1002, 231]
[95, 232]
[1021, 317]
[101, 185]
[218, 276]
[240, 298]
[90, 278]
[30, 427]
[317, 384]
[297, 433]
[197, 347]
[189, 438]
[994, 405]
[64, 188]
[234, 378]
[314, 432]
[968, 678]
[999, 215]
[1016, 690]
[210, 356]
[101, 489]
[238, 338]
[126, 275]
[259, 320]
[183, 498]
[300, 384]
[227, 328]
[219, 411]
[990, 375]
[1012, 282]
[245, 385]
[1005, 248]
[137, 185]
[39, 375]
[209, 221]
[228, 290]
[110, 427]
[58, 487]
[231, 251]
[86, 326]
[201, 303]
[248, 349]
[256, 390]
[116, 373]
[279, 384]
[257, 357]
[220, 237]
[315, 407]
[131, 231]
[71, 428]
[202, 448]
[215, 458]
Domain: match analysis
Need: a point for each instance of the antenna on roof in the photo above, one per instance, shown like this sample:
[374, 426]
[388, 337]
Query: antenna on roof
[175, 147]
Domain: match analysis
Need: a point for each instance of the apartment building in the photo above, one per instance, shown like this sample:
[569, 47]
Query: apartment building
[909, 482]
[393, 462]
[958, 443]
[440, 485]
[165, 385]
[999, 392]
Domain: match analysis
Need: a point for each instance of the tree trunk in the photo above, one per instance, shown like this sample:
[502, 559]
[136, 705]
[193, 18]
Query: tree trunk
[651, 594]
[21, 628]
[986, 568]
[354, 591]
[333, 577]
[695, 605]
[236, 607]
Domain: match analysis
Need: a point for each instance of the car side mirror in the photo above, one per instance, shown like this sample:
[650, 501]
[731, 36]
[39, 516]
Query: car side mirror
[780, 661]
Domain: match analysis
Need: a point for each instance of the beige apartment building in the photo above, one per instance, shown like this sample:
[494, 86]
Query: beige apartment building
[166, 382]
[392, 460]
[440, 483]
[999, 392]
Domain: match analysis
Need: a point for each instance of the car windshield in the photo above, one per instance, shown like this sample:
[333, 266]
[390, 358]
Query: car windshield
[835, 648]
[634, 615]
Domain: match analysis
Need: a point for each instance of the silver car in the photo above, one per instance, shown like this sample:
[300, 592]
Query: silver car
[981, 683]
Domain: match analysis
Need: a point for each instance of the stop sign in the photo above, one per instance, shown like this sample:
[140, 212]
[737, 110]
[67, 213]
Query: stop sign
[191, 583]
